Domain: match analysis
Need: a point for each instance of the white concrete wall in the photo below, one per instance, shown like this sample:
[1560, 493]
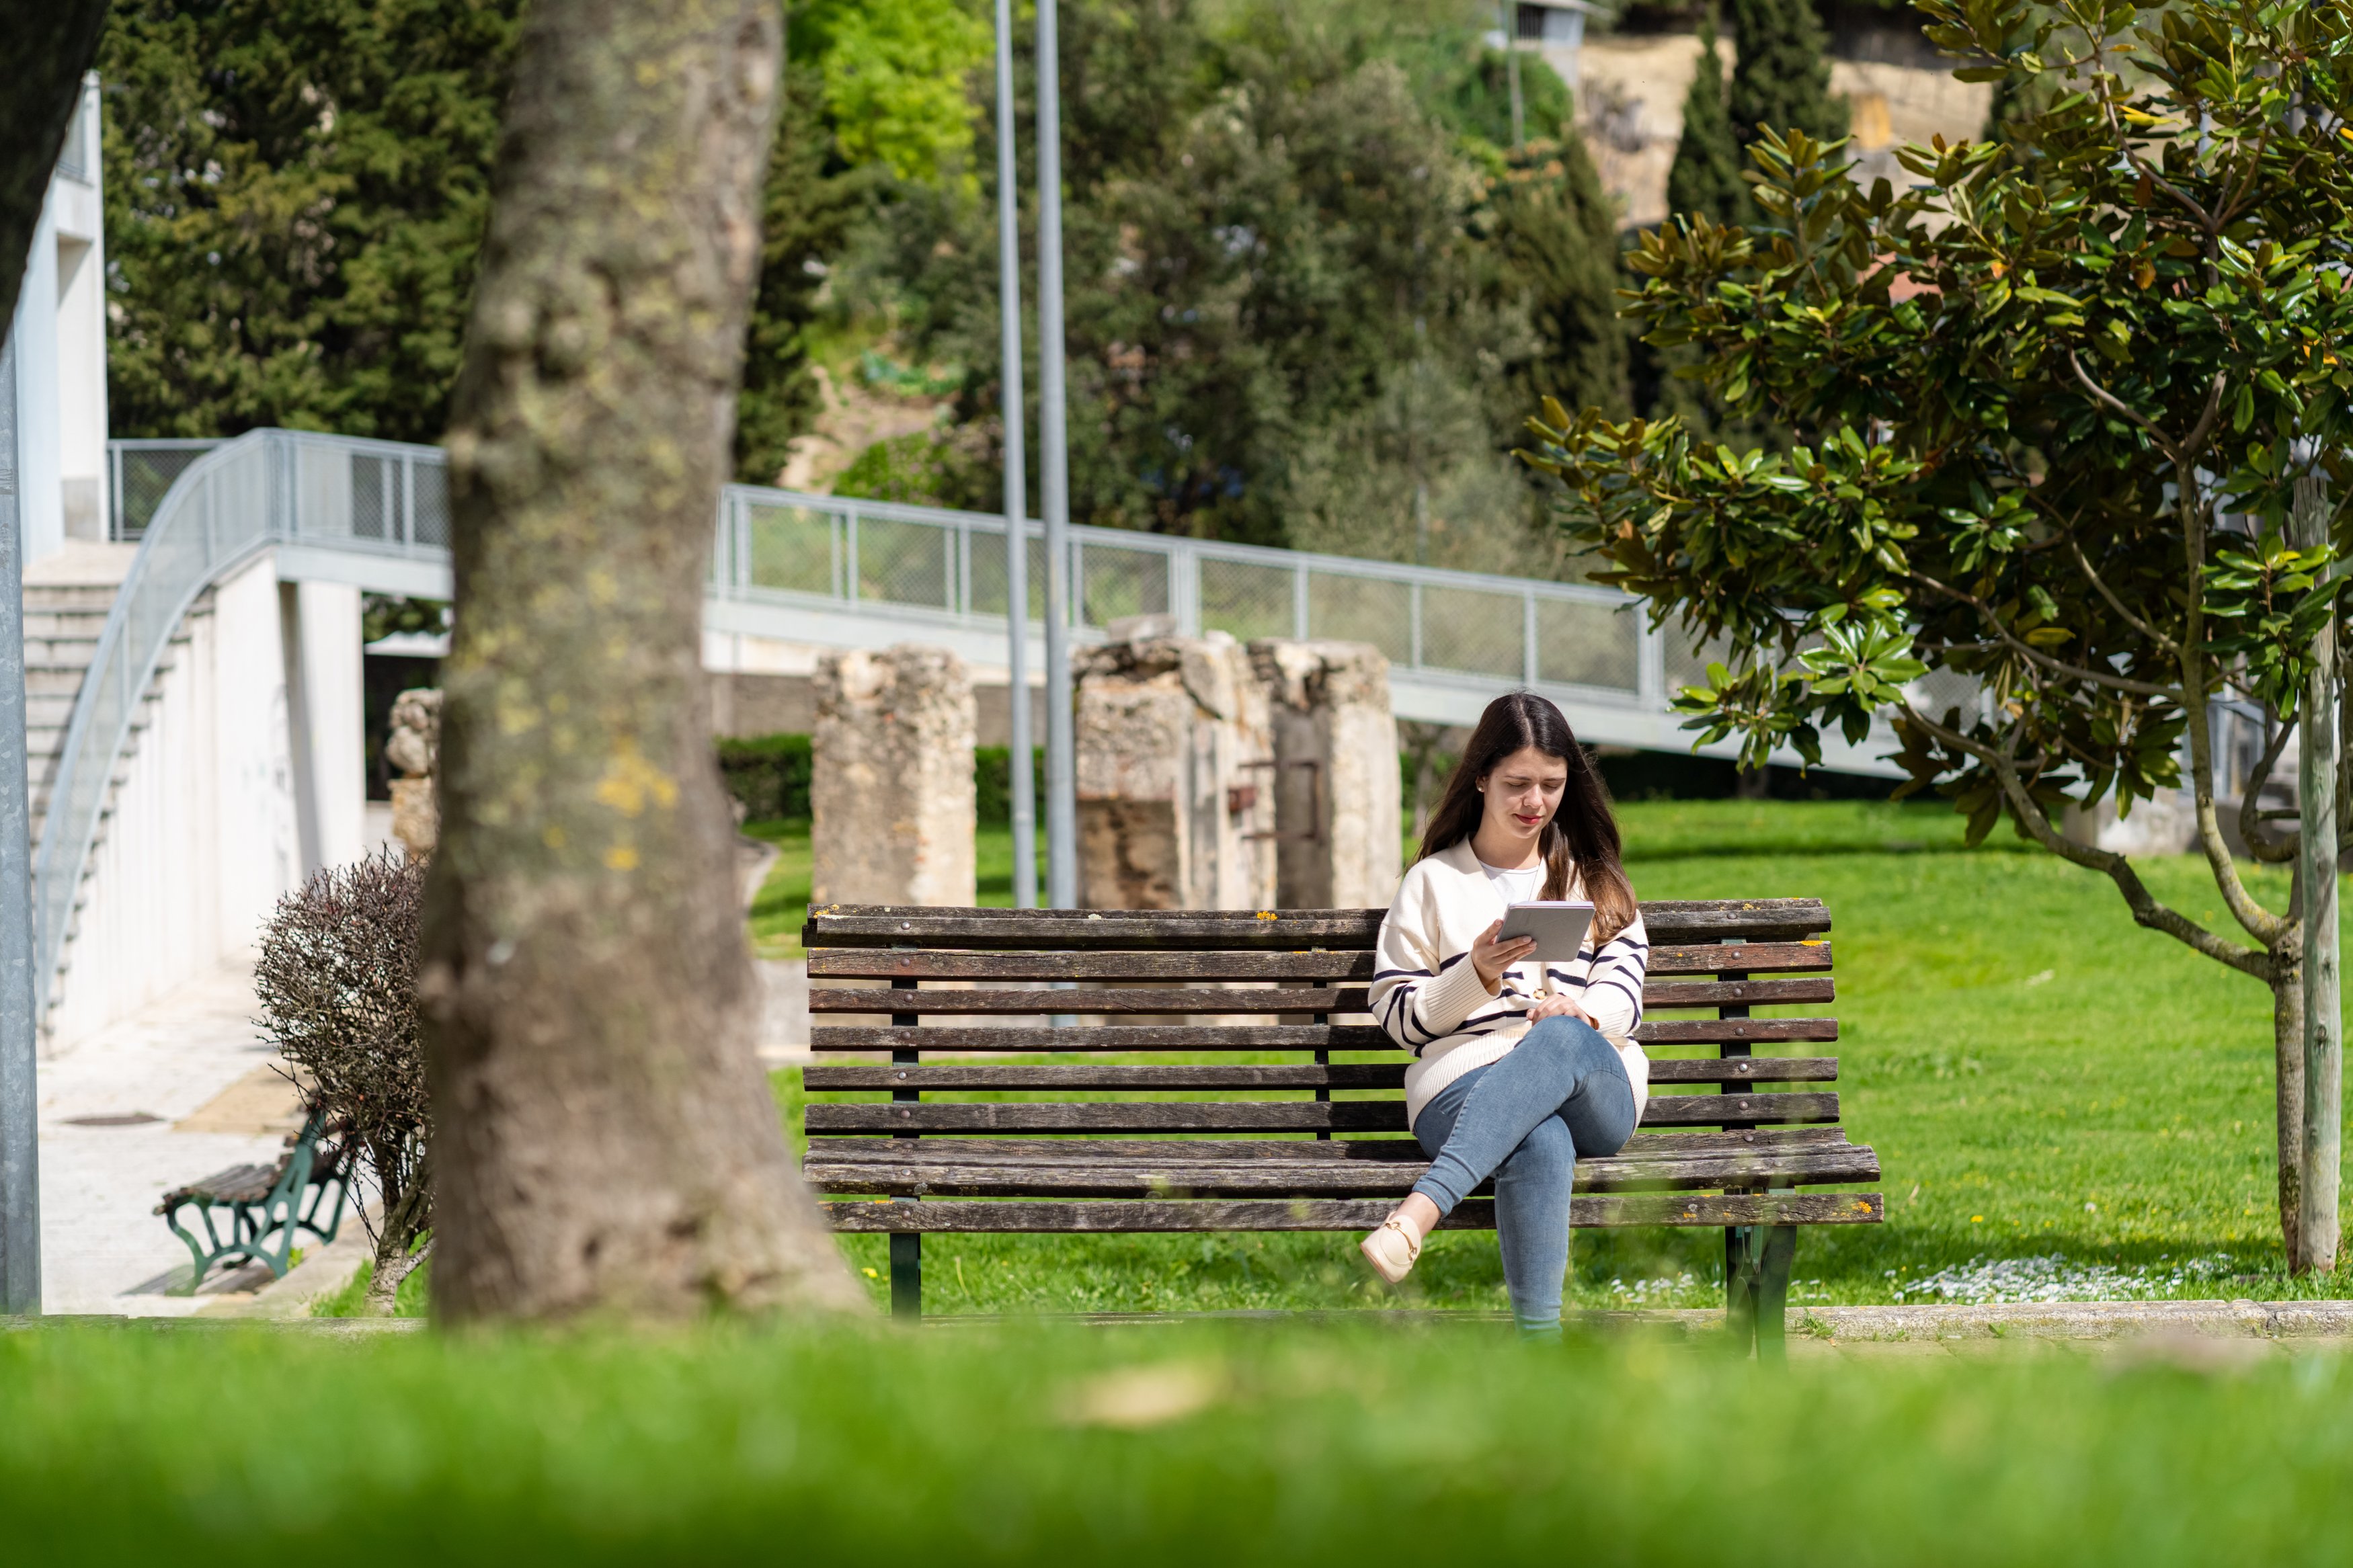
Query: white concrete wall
[34, 334]
[202, 838]
[59, 332]
[325, 675]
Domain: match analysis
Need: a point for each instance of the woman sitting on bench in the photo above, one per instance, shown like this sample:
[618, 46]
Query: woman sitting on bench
[1520, 1066]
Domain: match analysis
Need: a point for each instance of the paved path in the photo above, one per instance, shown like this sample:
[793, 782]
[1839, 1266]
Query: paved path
[192, 1061]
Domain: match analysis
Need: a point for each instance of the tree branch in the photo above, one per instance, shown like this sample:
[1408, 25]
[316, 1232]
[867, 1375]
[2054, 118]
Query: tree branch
[2145, 910]
[2270, 851]
[2099, 582]
[2027, 650]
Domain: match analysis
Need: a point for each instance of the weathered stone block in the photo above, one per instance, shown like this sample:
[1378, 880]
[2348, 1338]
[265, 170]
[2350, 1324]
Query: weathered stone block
[891, 787]
[414, 748]
[1337, 788]
[1174, 811]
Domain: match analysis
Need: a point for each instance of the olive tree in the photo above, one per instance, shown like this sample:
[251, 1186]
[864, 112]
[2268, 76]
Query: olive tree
[2069, 411]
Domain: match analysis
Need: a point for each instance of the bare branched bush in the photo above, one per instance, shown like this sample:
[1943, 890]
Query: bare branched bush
[337, 981]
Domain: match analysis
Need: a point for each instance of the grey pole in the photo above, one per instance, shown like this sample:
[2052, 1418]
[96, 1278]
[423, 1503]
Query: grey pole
[1061, 772]
[20, 1156]
[2323, 1044]
[1016, 480]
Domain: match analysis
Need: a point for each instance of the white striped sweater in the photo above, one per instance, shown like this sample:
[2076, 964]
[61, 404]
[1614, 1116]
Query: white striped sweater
[1427, 995]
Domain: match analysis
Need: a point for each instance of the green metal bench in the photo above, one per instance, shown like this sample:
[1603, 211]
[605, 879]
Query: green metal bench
[284, 1202]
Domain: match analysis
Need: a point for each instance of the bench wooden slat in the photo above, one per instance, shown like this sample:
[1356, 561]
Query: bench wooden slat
[1741, 958]
[1068, 966]
[1090, 999]
[1073, 1077]
[1038, 1040]
[1586, 1212]
[1290, 1151]
[1824, 1166]
[1243, 1001]
[891, 925]
[885, 963]
[891, 964]
[1119, 1038]
[1263, 1115]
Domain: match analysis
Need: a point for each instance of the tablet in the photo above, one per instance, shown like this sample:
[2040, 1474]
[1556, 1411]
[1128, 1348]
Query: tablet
[1558, 928]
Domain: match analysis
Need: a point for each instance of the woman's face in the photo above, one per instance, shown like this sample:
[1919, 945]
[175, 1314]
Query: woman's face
[1524, 791]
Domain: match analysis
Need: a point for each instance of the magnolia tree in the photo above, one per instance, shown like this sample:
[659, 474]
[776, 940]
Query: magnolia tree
[2070, 410]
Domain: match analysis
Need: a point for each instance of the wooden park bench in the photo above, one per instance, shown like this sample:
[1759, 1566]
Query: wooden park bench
[1281, 1153]
[261, 1201]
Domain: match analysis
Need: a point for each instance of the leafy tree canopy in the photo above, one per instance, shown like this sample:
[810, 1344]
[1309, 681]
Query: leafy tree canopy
[2055, 407]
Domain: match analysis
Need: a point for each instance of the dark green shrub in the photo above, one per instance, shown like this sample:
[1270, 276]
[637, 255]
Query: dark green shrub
[768, 773]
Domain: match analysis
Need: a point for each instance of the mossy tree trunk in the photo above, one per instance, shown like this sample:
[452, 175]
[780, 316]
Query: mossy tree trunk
[604, 1141]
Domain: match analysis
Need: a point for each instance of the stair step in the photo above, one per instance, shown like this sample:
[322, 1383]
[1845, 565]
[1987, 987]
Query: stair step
[99, 596]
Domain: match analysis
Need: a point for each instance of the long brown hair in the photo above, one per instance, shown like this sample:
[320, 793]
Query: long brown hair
[1582, 836]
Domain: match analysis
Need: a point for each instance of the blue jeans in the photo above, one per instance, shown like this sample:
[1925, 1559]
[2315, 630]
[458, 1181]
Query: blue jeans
[1562, 1092]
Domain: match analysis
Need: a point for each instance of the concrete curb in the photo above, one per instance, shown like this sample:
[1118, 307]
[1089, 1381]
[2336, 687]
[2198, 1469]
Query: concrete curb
[322, 1272]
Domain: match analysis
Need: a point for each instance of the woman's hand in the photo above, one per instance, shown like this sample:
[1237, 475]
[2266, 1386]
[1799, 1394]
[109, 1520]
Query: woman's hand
[1559, 1006]
[1491, 957]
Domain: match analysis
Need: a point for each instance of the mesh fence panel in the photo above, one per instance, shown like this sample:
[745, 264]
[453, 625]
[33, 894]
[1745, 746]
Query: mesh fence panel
[375, 500]
[1687, 665]
[1588, 644]
[988, 576]
[1246, 599]
[430, 496]
[1362, 609]
[146, 475]
[905, 563]
[1475, 632]
[1121, 582]
[790, 547]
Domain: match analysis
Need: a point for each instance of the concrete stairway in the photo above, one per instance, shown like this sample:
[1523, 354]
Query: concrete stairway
[67, 599]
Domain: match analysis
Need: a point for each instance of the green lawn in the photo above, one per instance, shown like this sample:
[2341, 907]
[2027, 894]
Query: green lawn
[2044, 1081]
[1293, 1444]
[781, 905]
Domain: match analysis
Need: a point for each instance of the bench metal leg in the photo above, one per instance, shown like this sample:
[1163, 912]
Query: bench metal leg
[1740, 1266]
[1772, 1295]
[906, 1274]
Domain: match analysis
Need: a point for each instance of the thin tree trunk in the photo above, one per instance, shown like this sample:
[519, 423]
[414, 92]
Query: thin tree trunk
[604, 1140]
[2288, 1055]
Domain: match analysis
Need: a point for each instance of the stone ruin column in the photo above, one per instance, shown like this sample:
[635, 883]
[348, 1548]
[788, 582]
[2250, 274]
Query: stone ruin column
[1174, 808]
[414, 748]
[891, 786]
[1337, 789]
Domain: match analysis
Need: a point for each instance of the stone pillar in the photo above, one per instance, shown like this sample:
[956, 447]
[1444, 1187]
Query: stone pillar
[414, 748]
[890, 791]
[1337, 788]
[1174, 808]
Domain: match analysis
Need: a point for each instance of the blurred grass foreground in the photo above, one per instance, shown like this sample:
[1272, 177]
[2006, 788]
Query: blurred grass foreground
[1188, 1444]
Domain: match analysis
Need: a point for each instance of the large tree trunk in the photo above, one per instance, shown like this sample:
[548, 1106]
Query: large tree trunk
[604, 1141]
[50, 44]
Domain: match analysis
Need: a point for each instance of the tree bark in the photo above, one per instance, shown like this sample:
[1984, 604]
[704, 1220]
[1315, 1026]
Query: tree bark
[604, 1140]
[2287, 1058]
[50, 44]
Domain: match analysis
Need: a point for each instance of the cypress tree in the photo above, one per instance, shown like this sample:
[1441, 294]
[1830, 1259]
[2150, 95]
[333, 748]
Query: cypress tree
[1705, 176]
[1782, 77]
[1558, 235]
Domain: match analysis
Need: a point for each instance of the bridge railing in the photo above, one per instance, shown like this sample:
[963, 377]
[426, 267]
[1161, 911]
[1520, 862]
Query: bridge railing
[784, 547]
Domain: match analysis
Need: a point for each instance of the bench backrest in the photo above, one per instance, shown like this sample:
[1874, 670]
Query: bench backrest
[1191, 988]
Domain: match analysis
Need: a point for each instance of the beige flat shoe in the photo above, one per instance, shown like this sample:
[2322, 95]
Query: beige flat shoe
[1391, 1249]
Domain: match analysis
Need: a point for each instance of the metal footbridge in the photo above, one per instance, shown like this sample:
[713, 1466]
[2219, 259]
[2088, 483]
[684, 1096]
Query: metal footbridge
[838, 572]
